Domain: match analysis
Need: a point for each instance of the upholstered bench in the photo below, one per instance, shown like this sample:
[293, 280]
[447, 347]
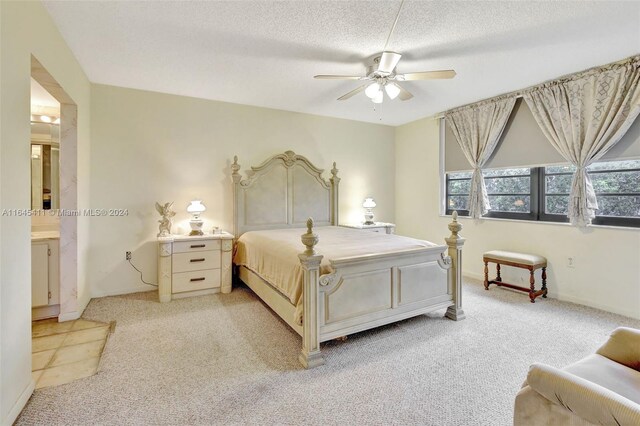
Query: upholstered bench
[517, 260]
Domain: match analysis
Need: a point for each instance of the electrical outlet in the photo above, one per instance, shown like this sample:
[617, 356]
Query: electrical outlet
[571, 262]
[127, 255]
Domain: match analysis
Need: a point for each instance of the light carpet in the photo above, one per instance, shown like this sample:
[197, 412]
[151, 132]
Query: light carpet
[227, 359]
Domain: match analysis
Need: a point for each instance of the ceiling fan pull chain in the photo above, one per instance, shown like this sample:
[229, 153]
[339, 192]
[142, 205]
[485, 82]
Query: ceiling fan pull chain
[393, 27]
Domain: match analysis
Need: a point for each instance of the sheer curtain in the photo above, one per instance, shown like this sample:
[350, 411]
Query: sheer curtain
[583, 117]
[477, 129]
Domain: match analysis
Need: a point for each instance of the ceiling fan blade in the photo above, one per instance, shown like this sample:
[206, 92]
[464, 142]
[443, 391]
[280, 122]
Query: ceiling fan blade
[404, 94]
[352, 93]
[388, 62]
[337, 77]
[427, 75]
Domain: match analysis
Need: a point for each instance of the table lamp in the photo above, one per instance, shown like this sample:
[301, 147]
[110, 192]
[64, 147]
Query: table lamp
[368, 204]
[195, 209]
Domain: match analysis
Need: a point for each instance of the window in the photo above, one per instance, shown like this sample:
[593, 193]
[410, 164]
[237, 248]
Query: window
[511, 193]
[542, 193]
[617, 186]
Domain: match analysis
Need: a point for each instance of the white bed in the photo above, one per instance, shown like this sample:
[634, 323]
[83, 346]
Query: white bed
[364, 281]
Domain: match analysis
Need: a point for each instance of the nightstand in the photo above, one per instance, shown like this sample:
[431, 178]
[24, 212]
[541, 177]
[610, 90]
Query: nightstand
[194, 265]
[381, 227]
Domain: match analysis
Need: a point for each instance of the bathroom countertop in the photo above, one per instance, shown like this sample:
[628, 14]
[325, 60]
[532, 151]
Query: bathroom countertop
[45, 235]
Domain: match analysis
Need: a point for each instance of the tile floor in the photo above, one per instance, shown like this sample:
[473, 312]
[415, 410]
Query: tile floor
[66, 351]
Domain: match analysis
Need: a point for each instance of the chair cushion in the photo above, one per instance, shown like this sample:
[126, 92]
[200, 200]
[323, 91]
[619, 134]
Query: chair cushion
[509, 256]
[623, 347]
[609, 374]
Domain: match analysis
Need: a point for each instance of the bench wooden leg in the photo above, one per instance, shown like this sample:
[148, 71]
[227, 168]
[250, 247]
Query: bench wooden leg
[544, 282]
[532, 291]
[486, 275]
[498, 278]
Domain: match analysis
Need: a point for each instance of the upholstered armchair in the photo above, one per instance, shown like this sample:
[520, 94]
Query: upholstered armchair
[601, 389]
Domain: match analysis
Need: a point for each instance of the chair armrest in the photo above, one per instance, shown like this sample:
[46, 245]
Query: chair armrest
[585, 399]
[623, 347]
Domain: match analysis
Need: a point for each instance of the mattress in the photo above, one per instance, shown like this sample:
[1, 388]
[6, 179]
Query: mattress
[273, 254]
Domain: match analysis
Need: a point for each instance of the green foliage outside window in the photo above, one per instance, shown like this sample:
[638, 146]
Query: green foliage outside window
[617, 186]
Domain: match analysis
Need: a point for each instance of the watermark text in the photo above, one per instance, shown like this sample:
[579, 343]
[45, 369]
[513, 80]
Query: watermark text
[66, 212]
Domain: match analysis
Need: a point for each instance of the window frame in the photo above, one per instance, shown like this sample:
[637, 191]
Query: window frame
[630, 222]
[533, 197]
[538, 200]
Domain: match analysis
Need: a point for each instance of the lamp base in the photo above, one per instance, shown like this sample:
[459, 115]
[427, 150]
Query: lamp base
[196, 227]
[368, 218]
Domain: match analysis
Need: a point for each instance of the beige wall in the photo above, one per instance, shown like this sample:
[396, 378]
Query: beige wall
[607, 260]
[149, 147]
[26, 29]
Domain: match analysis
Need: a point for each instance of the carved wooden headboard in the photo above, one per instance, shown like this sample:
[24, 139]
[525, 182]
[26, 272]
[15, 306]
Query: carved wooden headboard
[283, 192]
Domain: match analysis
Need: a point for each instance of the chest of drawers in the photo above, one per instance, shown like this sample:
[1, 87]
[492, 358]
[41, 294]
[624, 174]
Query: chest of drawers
[191, 266]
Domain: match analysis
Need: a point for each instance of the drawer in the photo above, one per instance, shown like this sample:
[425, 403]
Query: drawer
[196, 261]
[195, 245]
[380, 230]
[197, 280]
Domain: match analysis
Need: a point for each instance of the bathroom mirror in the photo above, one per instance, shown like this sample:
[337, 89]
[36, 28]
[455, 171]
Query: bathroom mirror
[45, 165]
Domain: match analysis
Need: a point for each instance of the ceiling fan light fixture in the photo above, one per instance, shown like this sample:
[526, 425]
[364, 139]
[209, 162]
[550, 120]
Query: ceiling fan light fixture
[378, 98]
[372, 90]
[392, 90]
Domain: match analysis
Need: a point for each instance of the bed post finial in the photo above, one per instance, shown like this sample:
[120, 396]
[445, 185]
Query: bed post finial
[235, 167]
[309, 239]
[454, 226]
[455, 243]
[334, 171]
[310, 355]
[335, 180]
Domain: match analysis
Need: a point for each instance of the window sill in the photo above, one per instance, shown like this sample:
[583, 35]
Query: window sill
[541, 222]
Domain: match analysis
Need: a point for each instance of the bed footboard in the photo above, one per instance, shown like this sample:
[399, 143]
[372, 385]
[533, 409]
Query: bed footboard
[369, 291]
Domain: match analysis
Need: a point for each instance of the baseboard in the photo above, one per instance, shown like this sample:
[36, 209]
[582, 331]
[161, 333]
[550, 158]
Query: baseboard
[84, 306]
[42, 312]
[69, 316]
[118, 292]
[473, 275]
[20, 403]
[577, 300]
[603, 307]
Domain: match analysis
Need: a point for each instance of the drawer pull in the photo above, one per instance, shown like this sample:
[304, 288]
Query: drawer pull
[197, 279]
[197, 260]
[198, 245]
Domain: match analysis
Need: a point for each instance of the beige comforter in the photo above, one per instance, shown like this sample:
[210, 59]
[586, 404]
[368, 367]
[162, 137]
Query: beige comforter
[273, 254]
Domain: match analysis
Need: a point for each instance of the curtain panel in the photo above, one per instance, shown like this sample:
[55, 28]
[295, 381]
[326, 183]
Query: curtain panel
[583, 117]
[477, 129]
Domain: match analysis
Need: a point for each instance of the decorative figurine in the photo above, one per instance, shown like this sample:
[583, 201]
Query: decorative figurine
[165, 223]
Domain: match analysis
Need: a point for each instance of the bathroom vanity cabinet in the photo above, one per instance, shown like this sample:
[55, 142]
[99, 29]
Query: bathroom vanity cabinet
[45, 278]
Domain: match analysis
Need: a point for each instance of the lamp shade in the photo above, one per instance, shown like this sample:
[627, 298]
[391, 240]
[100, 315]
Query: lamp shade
[378, 98]
[372, 90]
[392, 90]
[369, 203]
[196, 207]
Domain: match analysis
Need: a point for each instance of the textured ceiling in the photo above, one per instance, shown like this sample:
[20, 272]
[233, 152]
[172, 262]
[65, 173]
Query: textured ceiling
[265, 53]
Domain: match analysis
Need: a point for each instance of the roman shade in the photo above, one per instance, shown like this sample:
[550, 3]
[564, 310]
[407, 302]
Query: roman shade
[523, 144]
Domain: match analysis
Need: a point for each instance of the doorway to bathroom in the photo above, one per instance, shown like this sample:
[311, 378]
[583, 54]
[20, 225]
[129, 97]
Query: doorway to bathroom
[53, 151]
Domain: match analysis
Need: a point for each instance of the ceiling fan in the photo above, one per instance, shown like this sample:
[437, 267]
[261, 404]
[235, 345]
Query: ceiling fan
[381, 74]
